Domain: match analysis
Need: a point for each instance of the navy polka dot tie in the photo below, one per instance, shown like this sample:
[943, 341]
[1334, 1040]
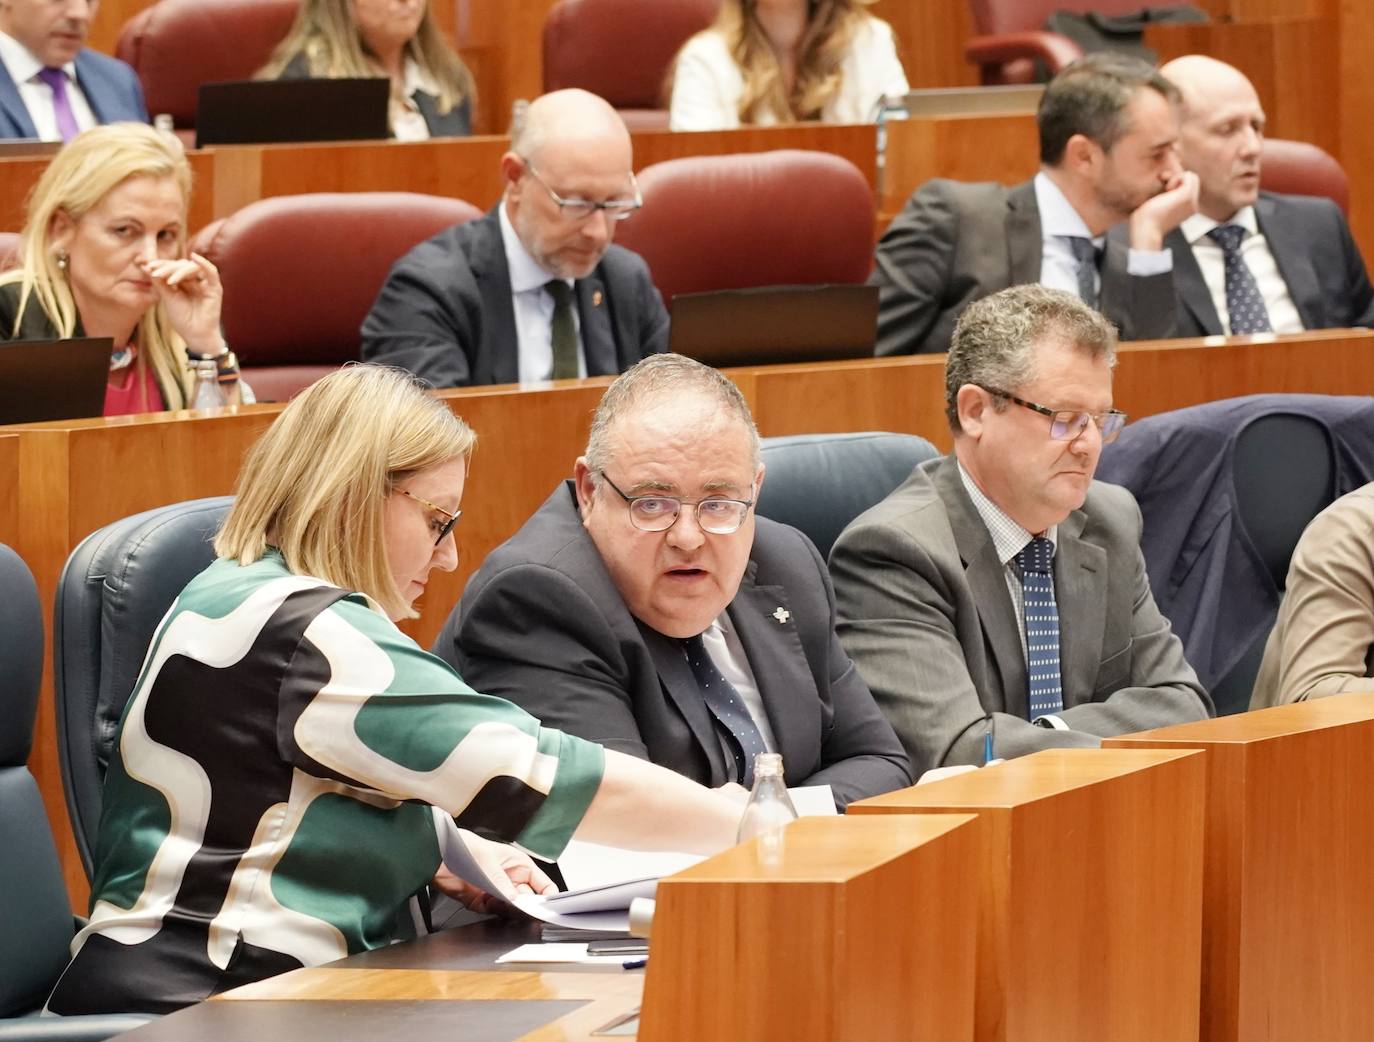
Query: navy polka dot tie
[1243, 301]
[728, 708]
[1085, 254]
[1042, 627]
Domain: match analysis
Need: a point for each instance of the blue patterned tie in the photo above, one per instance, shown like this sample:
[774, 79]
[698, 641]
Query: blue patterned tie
[1243, 301]
[1085, 253]
[1042, 627]
[728, 708]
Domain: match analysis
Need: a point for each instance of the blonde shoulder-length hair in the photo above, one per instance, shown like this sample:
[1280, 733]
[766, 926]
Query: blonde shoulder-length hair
[78, 178]
[326, 33]
[314, 486]
[830, 28]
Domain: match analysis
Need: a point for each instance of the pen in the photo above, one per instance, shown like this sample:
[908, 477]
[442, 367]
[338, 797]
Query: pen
[634, 964]
[987, 740]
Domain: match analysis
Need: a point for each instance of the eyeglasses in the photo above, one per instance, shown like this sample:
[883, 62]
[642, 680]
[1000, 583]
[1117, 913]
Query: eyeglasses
[580, 209]
[447, 526]
[1067, 424]
[659, 513]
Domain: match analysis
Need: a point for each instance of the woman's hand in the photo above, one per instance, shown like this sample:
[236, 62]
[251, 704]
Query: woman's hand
[504, 865]
[190, 290]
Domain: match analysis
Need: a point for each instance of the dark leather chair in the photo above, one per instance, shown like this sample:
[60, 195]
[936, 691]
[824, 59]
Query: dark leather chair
[116, 587]
[621, 50]
[821, 482]
[36, 924]
[1300, 168]
[787, 217]
[300, 273]
[176, 45]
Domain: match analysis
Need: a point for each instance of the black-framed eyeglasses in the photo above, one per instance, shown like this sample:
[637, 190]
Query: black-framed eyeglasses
[580, 209]
[446, 527]
[654, 513]
[1067, 424]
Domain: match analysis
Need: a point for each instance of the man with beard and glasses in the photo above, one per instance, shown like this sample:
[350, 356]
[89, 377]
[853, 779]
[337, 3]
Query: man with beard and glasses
[1108, 154]
[1252, 261]
[534, 290]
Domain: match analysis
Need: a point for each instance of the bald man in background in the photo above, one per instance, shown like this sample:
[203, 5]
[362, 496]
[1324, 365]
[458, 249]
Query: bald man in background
[534, 290]
[1250, 261]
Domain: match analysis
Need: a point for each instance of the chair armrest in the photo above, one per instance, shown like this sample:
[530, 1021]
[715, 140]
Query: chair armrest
[1055, 50]
[94, 1027]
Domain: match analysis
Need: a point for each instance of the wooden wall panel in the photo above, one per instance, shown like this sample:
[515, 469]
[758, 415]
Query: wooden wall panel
[930, 40]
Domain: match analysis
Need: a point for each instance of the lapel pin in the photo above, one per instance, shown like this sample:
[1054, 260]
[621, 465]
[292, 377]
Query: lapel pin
[596, 298]
[782, 614]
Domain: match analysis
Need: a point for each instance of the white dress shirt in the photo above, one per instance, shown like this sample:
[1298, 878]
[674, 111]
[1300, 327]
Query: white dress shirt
[1058, 222]
[23, 68]
[1255, 252]
[534, 308]
[407, 122]
[723, 645]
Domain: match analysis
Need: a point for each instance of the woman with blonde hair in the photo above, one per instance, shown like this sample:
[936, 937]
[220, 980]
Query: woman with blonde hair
[431, 89]
[290, 762]
[103, 254]
[785, 61]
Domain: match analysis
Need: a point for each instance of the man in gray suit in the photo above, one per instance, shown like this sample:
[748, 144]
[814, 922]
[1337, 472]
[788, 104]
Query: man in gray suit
[1281, 263]
[1000, 593]
[1108, 136]
[645, 607]
[535, 290]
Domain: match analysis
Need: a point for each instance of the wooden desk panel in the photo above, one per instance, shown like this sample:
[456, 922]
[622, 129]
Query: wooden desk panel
[1288, 927]
[1091, 887]
[10, 507]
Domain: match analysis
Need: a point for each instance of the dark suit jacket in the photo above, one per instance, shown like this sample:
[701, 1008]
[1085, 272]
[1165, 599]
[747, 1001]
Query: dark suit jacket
[456, 122]
[111, 88]
[954, 243]
[925, 612]
[445, 311]
[1317, 258]
[542, 624]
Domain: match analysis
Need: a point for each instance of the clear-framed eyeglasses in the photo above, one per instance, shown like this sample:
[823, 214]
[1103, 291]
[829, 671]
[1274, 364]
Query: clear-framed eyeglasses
[441, 528]
[1068, 424]
[580, 209]
[654, 513]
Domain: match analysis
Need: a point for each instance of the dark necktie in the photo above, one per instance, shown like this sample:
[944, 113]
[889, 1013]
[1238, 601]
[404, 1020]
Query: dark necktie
[61, 104]
[728, 708]
[1042, 627]
[1085, 254]
[563, 331]
[1244, 304]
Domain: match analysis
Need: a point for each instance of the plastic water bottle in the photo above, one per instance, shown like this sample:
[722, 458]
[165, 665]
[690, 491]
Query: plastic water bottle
[769, 809]
[207, 393]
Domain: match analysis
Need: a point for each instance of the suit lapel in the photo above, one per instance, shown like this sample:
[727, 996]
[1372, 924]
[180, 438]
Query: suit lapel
[13, 106]
[1080, 577]
[1025, 246]
[598, 339]
[1191, 286]
[89, 80]
[677, 680]
[500, 340]
[1295, 266]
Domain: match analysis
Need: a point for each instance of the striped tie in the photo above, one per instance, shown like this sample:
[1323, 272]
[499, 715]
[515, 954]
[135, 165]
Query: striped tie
[1042, 627]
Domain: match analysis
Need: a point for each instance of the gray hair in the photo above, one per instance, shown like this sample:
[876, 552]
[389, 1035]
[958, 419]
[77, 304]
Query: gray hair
[995, 339]
[1090, 97]
[653, 379]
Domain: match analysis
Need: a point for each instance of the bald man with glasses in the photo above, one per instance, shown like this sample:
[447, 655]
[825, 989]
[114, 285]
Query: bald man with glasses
[645, 607]
[996, 602]
[534, 290]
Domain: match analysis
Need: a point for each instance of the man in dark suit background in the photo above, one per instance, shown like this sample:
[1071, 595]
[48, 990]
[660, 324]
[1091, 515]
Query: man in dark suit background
[534, 290]
[645, 607]
[1108, 131]
[1001, 592]
[51, 87]
[1282, 263]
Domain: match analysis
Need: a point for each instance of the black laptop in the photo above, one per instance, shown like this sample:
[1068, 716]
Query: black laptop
[53, 379]
[257, 112]
[772, 324]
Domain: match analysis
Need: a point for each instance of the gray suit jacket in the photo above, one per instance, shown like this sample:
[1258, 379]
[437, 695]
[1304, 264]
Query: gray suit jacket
[925, 613]
[445, 311]
[1317, 258]
[542, 624]
[954, 243]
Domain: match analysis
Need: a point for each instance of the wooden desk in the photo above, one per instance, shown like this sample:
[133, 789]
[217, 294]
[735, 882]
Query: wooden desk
[1288, 926]
[1090, 892]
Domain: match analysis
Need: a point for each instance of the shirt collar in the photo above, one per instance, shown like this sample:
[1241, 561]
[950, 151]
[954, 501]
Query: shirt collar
[1196, 227]
[415, 78]
[1057, 215]
[21, 63]
[1008, 537]
[526, 274]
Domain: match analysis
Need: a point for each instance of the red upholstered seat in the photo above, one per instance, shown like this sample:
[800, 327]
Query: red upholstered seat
[176, 45]
[1303, 169]
[621, 50]
[759, 219]
[300, 273]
